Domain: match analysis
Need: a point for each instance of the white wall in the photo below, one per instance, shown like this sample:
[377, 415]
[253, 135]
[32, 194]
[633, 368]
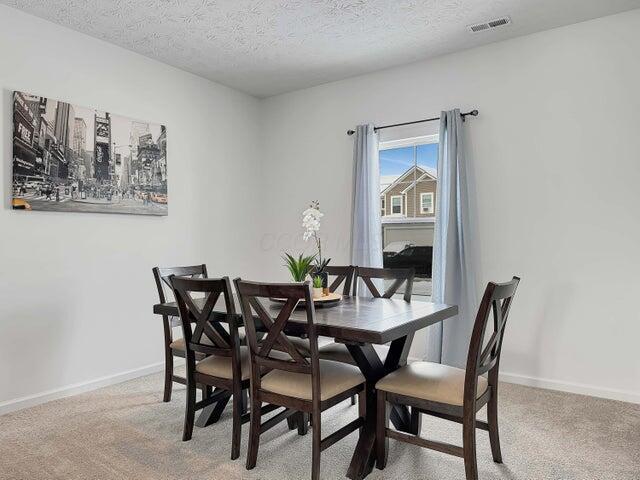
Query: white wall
[555, 153]
[76, 289]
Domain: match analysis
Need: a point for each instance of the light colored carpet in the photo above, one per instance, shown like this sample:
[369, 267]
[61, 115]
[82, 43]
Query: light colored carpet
[126, 432]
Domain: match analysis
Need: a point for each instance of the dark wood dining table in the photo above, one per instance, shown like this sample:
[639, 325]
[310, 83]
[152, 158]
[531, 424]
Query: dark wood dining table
[360, 323]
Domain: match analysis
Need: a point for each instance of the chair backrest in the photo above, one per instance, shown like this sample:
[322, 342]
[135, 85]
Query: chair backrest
[399, 275]
[254, 300]
[342, 274]
[198, 320]
[162, 274]
[484, 356]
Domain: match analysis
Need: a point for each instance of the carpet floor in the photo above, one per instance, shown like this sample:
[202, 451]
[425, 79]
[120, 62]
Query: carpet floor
[126, 432]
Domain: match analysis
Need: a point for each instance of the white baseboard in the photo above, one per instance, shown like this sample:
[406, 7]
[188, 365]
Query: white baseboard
[579, 388]
[75, 389]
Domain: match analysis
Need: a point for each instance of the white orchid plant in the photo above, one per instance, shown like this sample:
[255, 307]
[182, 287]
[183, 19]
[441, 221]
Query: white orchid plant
[311, 224]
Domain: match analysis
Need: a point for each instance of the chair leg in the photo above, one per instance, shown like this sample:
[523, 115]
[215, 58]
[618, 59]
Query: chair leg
[469, 445]
[303, 423]
[168, 374]
[245, 400]
[382, 441]
[416, 421]
[292, 422]
[315, 453]
[237, 423]
[492, 420]
[190, 411]
[353, 399]
[254, 430]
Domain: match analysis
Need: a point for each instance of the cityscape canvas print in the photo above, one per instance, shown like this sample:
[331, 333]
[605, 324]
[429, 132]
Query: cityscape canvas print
[76, 159]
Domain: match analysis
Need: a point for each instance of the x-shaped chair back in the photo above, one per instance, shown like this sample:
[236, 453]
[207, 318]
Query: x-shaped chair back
[199, 320]
[342, 274]
[484, 356]
[264, 355]
[398, 275]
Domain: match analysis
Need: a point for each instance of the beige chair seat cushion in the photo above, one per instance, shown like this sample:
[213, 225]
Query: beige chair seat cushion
[429, 381]
[302, 344]
[179, 344]
[338, 352]
[335, 378]
[218, 366]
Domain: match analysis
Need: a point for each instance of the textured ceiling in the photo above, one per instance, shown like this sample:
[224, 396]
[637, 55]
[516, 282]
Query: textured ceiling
[266, 47]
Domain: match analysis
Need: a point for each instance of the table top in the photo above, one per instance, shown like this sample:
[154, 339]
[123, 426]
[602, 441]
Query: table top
[358, 319]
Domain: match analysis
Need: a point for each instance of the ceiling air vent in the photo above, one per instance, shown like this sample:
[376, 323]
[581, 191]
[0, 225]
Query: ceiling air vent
[481, 27]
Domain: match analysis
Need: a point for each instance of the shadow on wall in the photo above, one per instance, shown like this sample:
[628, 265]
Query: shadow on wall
[7, 141]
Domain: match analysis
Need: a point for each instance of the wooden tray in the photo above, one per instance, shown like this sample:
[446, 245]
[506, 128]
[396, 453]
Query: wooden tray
[326, 301]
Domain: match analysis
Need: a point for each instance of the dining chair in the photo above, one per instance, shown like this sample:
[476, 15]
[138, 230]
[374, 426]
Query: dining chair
[401, 276]
[173, 348]
[298, 383]
[343, 275]
[451, 393]
[226, 365]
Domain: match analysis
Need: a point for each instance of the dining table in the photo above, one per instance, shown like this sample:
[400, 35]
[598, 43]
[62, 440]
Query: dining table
[359, 323]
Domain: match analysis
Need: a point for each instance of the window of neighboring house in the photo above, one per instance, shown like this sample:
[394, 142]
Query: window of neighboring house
[382, 206]
[396, 204]
[409, 166]
[426, 203]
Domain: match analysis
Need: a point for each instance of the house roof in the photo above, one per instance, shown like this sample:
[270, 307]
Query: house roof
[423, 171]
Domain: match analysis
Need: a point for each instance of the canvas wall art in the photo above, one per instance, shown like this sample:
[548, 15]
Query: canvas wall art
[75, 159]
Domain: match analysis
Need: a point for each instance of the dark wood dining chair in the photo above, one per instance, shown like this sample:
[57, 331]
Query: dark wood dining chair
[452, 393]
[342, 274]
[173, 347]
[226, 365]
[401, 276]
[296, 382]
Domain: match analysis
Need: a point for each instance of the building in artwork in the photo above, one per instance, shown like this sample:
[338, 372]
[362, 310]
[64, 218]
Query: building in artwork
[79, 136]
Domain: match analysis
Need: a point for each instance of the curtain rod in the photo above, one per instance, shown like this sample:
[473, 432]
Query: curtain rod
[473, 113]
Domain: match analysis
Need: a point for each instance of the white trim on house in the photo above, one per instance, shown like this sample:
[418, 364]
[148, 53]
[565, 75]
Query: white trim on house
[433, 207]
[408, 142]
[420, 179]
[401, 197]
[407, 220]
[401, 177]
[383, 206]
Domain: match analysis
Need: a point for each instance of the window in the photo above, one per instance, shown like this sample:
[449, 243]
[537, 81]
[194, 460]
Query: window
[408, 180]
[396, 204]
[426, 203]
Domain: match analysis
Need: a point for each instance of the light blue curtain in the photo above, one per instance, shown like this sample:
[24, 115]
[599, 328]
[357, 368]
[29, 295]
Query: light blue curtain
[366, 225]
[453, 276]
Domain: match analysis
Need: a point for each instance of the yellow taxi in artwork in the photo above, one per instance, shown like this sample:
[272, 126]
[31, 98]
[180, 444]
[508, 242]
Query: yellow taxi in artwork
[20, 204]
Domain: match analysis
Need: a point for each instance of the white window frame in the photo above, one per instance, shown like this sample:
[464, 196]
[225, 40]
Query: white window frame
[401, 204]
[383, 205]
[433, 207]
[409, 142]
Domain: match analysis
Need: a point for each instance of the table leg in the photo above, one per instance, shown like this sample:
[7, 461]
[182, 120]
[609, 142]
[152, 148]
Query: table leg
[211, 413]
[373, 369]
[397, 357]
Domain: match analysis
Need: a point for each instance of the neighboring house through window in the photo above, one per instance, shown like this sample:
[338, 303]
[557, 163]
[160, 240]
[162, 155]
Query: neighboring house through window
[408, 181]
